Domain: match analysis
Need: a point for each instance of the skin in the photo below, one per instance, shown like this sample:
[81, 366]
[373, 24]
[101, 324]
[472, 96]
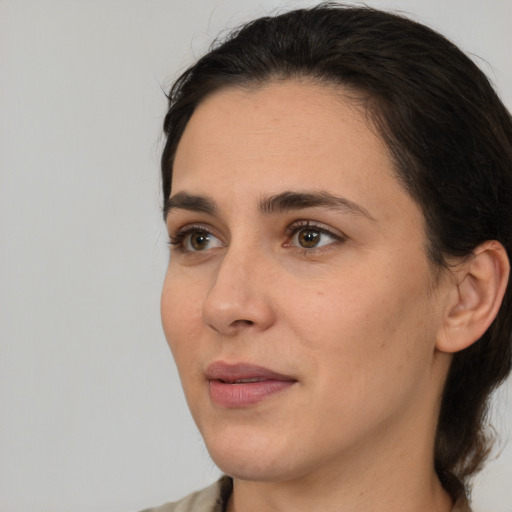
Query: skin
[354, 321]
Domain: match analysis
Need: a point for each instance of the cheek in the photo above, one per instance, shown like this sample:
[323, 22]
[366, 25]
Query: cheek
[375, 321]
[180, 309]
[371, 357]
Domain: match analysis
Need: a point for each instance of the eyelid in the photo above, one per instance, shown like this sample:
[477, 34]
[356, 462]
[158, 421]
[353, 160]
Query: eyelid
[320, 226]
[294, 228]
[178, 238]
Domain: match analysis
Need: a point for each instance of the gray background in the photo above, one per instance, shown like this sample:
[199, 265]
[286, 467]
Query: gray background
[91, 412]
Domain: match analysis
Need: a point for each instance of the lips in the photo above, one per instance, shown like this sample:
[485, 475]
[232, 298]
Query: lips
[242, 385]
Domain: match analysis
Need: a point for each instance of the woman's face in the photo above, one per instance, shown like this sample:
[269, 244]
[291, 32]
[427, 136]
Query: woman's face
[299, 303]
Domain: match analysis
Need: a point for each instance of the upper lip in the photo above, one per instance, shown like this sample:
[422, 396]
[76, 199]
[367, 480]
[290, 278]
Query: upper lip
[226, 372]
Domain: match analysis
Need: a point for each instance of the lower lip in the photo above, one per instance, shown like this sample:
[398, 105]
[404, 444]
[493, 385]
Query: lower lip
[245, 394]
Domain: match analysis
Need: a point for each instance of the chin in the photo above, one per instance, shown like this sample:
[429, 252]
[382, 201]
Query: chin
[254, 457]
[253, 469]
[244, 454]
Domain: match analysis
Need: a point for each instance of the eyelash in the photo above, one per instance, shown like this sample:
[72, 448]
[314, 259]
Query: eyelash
[300, 225]
[178, 240]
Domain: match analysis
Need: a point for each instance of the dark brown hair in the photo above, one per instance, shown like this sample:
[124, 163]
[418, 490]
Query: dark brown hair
[448, 134]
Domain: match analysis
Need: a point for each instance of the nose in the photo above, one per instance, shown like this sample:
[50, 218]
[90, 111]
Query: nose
[237, 299]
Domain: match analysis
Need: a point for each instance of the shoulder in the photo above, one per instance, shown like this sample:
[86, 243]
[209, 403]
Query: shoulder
[211, 499]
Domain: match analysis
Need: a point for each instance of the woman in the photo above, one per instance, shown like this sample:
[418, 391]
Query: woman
[337, 187]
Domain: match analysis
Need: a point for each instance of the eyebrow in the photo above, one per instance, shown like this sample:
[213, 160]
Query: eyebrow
[279, 203]
[288, 201]
[186, 201]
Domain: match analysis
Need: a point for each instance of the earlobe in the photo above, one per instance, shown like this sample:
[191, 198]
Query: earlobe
[480, 284]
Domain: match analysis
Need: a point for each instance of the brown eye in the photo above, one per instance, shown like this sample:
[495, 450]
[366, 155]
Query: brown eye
[308, 238]
[199, 240]
[312, 237]
[196, 240]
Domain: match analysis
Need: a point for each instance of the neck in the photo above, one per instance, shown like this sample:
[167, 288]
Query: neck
[333, 495]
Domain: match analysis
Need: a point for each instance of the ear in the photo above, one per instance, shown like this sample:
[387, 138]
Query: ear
[479, 285]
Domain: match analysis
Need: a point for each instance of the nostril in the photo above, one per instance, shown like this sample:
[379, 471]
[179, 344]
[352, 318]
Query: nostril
[242, 322]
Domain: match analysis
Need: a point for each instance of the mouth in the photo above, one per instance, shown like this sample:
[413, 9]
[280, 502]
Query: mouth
[241, 385]
[242, 381]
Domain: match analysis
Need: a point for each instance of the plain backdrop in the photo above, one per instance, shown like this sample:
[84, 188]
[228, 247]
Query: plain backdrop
[91, 412]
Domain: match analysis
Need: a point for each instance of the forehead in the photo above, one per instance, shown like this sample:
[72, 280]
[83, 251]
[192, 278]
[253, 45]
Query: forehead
[288, 108]
[277, 120]
[286, 135]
